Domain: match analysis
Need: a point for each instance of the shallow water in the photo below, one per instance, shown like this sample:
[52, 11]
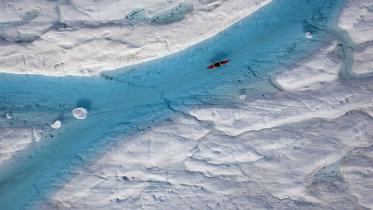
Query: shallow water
[128, 100]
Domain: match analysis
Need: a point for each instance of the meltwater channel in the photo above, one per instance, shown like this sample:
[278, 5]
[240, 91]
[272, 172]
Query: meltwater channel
[125, 101]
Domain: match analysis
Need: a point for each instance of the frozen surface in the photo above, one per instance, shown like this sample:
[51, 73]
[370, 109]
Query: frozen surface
[306, 146]
[83, 37]
[321, 68]
[206, 163]
[357, 19]
[13, 140]
[307, 149]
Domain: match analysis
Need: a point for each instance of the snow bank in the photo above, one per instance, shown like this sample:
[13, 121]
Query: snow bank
[357, 19]
[308, 148]
[321, 68]
[210, 164]
[86, 37]
[13, 140]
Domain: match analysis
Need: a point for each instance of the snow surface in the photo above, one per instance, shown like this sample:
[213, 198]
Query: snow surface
[309, 149]
[13, 140]
[357, 19]
[85, 37]
[323, 67]
[306, 147]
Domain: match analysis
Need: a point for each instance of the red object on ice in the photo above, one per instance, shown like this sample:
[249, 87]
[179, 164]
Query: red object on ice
[218, 64]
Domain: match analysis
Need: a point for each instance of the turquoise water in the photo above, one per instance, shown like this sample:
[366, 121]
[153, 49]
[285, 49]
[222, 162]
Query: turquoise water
[125, 101]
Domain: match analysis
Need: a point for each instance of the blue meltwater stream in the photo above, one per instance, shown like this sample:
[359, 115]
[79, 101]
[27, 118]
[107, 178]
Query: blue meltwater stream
[128, 100]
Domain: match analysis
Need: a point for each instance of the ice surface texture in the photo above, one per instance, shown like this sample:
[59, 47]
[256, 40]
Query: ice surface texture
[59, 41]
[168, 16]
[357, 19]
[174, 14]
[126, 102]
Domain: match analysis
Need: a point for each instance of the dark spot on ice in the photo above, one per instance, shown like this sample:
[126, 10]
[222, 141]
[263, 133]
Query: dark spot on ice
[58, 64]
[107, 77]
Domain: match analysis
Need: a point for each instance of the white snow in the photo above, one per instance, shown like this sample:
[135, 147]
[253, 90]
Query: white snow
[357, 19]
[13, 140]
[318, 158]
[307, 147]
[97, 40]
[302, 99]
[323, 67]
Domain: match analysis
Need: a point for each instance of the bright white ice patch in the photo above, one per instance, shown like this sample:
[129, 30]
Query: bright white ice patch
[322, 67]
[8, 116]
[80, 113]
[56, 125]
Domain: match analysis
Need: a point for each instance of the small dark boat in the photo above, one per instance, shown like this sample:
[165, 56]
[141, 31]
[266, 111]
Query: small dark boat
[218, 64]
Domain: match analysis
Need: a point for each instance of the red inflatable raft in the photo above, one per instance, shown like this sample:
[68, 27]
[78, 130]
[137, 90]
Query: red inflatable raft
[218, 64]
